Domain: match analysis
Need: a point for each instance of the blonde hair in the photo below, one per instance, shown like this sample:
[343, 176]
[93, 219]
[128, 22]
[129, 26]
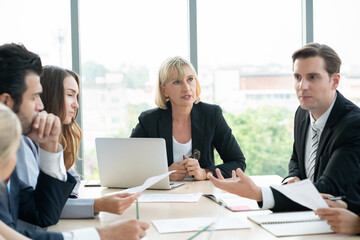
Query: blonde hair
[166, 71]
[10, 132]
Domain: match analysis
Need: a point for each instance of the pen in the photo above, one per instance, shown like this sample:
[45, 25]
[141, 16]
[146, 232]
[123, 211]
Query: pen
[137, 209]
[335, 198]
[202, 230]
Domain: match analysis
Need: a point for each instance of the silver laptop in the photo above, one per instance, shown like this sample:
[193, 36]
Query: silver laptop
[128, 162]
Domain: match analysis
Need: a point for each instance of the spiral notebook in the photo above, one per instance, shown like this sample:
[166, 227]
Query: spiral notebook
[233, 202]
[292, 223]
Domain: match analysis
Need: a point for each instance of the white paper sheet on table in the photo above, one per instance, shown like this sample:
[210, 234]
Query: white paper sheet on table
[196, 224]
[191, 197]
[148, 183]
[304, 193]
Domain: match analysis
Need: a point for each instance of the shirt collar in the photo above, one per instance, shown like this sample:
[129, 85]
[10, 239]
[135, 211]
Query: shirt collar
[320, 123]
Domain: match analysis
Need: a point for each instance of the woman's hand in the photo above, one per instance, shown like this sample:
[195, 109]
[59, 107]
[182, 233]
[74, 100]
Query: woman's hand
[116, 203]
[194, 169]
[180, 171]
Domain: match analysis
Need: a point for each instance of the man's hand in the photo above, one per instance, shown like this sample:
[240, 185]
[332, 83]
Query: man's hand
[243, 186]
[293, 180]
[116, 203]
[129, 230]
[193, 168]
[46, 130]
[334, 204]
[341, 220]
[180, 171]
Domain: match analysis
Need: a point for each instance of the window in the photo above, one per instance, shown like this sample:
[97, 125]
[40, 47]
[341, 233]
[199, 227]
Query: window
[336, 23]
[123, 44]
[42, 26]
[245, 64]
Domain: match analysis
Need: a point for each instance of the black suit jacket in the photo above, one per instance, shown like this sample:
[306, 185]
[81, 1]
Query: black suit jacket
[41, 206]
[208, 130]
[337, 167]
[354, 206]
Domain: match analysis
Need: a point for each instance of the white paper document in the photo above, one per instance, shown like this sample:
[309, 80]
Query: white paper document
[304, 193]
[148, 183]
[196, 224]
[191, 197]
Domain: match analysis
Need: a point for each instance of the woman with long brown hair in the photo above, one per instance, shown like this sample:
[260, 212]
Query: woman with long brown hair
[60, 97]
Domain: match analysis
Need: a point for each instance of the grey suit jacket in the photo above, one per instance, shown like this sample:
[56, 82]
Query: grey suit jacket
[28, 171]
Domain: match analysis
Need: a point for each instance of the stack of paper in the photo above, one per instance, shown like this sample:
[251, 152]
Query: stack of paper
[192, 197]
[196, 224]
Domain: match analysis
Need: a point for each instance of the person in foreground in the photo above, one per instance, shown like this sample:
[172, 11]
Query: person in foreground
[60, 97]
[20, 89]
[191, 128]
[326, 145]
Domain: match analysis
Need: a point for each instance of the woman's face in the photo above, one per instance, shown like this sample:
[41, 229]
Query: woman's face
[8, 168]
[71, 91]
[181, 92]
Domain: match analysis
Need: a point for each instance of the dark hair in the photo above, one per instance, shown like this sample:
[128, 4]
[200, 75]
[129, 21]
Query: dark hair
[15, 63]
[53, 98]
[332, 60]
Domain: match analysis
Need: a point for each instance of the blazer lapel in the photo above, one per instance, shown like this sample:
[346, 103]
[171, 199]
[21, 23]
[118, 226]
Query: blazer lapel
[303, 126]
[197, 128]
[165, 130]
[334, 116]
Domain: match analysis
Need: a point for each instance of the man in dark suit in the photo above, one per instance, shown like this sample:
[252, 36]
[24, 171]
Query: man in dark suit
[326, 145]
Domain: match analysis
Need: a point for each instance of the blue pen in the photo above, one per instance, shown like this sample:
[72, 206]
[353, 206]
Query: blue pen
[336, 198]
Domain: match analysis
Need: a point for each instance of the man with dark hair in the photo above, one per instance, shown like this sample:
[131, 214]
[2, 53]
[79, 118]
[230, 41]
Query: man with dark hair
[326, 145]
[20, 90]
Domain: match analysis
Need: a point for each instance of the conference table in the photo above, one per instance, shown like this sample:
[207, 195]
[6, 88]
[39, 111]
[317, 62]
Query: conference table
[203, 208]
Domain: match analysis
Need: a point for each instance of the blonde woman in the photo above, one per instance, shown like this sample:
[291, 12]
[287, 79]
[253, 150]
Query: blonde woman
[191, 128]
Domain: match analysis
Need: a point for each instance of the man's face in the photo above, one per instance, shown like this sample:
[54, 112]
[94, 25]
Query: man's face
[314, 87]
[31, 103]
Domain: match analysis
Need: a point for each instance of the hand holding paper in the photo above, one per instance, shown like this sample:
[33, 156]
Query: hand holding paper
[304, 193]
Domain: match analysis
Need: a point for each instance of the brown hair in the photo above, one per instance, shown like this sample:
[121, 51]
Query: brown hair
[52, 81]
[332, 60]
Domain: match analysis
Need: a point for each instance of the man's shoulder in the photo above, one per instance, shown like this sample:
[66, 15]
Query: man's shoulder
[347, 111]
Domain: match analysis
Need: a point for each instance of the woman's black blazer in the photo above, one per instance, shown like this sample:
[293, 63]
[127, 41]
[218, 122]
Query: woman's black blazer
[208, 130]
